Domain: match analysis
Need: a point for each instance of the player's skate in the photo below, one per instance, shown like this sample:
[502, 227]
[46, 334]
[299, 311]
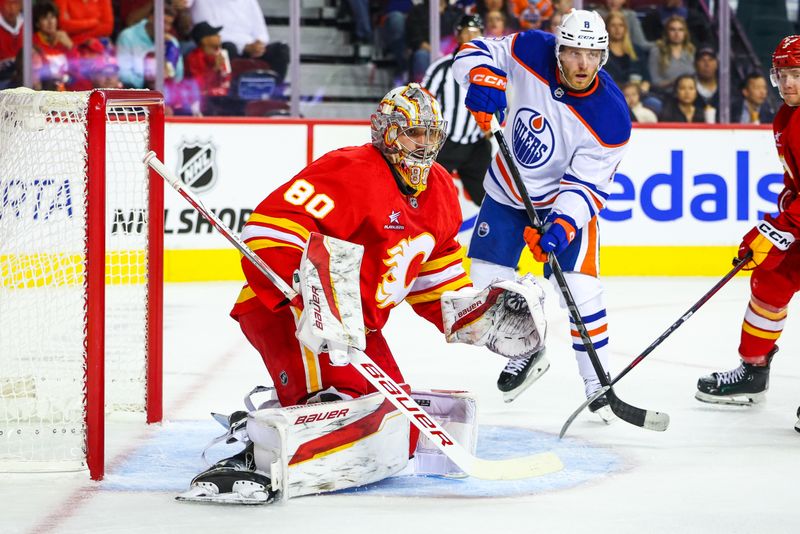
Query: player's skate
[600, 405]
[233, 480]
[742, 386]
[520, 373]
[797, 424]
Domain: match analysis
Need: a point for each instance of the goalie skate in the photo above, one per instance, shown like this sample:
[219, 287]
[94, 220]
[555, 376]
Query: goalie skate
[230, 486]
[520, 373]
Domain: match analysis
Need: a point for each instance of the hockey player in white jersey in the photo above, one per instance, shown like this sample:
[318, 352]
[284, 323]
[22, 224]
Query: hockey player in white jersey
[569, 126]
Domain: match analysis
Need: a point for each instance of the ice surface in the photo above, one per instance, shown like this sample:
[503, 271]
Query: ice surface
[717, 469]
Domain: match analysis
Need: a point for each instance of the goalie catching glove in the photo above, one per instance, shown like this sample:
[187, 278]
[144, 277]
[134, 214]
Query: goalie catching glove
[507, 317]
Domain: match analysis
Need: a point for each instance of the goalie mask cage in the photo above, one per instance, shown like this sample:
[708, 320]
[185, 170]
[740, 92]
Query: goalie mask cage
[81, 276]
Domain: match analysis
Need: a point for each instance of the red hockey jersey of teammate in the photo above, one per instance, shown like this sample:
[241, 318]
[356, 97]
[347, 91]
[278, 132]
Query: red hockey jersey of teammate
[406, 219]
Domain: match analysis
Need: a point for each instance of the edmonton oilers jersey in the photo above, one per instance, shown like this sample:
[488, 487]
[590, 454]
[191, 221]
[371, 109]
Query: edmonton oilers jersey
[566, 145]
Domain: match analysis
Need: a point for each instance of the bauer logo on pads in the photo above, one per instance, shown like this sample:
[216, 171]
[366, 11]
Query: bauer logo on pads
[197, 168]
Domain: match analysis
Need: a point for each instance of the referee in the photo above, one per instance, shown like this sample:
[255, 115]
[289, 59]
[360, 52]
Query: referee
[466, 150]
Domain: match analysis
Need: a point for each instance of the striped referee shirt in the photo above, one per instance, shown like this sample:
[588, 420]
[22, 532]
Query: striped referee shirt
[461, 127]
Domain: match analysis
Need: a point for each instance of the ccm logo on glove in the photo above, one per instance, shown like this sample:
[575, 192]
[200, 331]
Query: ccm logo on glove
[780, 240]
[488, 80]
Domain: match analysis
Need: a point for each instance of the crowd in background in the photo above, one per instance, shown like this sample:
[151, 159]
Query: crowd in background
[83, 44]
[661, 56]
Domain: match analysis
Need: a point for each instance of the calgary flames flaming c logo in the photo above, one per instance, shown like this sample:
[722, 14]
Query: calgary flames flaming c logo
[403, 262]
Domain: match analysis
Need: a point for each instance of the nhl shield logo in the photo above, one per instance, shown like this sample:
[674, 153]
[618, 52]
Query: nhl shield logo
[533, 138]
[198, 168]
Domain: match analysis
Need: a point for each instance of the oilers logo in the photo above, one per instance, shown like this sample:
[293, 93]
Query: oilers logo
[532, 138]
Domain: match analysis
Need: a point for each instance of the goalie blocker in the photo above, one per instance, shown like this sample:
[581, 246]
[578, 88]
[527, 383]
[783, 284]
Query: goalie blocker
[328, 446]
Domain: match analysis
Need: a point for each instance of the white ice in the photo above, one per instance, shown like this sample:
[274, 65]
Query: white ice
[717, 468]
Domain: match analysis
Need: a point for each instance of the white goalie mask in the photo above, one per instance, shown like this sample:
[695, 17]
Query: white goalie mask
[409, 131]
[582, 29]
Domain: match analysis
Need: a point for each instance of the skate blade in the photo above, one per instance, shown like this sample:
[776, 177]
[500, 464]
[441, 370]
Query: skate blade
[198, 494]
[536, 373]
[797, 425]
[605, 414]
[730, 400]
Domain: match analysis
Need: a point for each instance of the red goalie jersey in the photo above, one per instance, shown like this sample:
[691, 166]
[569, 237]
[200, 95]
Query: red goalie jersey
[410, 250]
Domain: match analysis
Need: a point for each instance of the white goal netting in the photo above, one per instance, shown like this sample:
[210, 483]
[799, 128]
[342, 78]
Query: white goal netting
[44, 146]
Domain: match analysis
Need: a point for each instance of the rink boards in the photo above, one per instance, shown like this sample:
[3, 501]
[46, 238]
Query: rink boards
[682, 197]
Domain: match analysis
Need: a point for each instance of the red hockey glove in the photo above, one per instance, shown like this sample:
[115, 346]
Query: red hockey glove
[769, 240]
[558, 234]
[486, 94]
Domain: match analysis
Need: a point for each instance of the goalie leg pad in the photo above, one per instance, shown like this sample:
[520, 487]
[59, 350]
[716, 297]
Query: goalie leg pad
[329, 446]
[457, 412]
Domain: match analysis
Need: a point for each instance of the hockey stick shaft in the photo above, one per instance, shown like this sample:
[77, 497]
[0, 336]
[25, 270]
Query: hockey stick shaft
[631, 414]
[514, 468]
[697, 305]
[691, 311]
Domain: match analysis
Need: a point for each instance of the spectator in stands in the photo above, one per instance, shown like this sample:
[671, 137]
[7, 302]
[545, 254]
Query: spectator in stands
[136, 49]
[632, 22]
[673, 56]
[483, 7]
[418, 30]
[684, 106]
[465, 150]
[208, 68]
[362, 21]
[53, 50]
[624, 63]
[244, 31]
[706, 67]
[633, 96]
[130, 12]
[752, 108]
[10, 38]
[86, 19]
[496, 24]
[532, 14]
[554, 22]
[393, 35]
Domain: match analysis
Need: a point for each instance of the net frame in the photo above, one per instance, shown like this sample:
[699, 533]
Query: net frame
[106, 109]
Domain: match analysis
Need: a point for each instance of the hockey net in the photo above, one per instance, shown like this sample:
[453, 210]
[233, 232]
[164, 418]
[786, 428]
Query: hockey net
[80, 272]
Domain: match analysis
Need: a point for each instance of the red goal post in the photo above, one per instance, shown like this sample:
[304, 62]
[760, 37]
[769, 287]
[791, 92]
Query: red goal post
[81, 272]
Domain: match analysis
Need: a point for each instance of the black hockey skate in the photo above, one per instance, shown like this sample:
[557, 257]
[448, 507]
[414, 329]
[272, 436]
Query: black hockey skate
[742, 386]
[233, 480]
[520, 373]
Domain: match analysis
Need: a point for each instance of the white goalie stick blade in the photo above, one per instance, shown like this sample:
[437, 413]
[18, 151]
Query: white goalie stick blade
[329, 282]
[511, 469]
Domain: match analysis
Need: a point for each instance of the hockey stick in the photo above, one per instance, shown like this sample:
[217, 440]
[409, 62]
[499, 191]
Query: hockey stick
[648, 419]
[737, 266]
[510, 469]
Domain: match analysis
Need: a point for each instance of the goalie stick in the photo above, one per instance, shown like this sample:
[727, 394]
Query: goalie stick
[648, 419]
[507, 469]
[737, 266]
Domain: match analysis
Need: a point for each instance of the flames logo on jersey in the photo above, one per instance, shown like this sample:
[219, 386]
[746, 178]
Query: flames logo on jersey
[532, 138]
[404, 261]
